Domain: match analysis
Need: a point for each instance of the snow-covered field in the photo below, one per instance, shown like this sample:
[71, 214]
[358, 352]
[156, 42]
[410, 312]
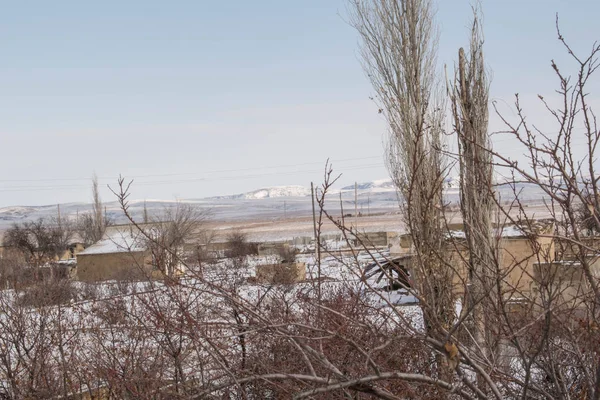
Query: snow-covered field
[127, 319]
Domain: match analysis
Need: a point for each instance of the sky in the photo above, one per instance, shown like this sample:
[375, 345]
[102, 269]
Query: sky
[201, 98]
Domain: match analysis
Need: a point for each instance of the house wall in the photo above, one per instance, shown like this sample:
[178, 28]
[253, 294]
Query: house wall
[281, 273]
[518, 257]
[564, 282]
[595, 266]
[400, 245]
[570, 251]
[272, 248]
[114, 266]
[530, 264]
[379, 239]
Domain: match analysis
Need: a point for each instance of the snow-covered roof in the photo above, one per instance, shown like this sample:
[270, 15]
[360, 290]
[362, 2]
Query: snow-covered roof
[512, 231]
[121, 239]
[509, 231]
[534, 227]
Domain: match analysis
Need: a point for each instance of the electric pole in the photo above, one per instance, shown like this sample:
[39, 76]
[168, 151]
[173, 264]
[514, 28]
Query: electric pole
[356, 206]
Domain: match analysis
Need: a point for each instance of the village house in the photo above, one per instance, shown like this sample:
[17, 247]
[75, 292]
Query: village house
[124, 253]
[521, 253]
[121, 254]
[564, 277]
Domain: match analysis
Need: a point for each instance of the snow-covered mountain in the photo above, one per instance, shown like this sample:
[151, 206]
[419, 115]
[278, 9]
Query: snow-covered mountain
[10, 213]
[381, 185]
[386, 185]
[16, 213]
[270, 192]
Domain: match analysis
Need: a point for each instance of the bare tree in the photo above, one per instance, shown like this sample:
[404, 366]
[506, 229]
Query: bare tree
[177, 227]
[399, 52]
[469, 98]
[238, 245]
[39, 241]
[93, 225]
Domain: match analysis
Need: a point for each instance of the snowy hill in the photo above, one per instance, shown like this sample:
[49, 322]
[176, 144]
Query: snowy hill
[270, 192]
[14, 213]
[374, 186]
[386, 185]
[17, 213]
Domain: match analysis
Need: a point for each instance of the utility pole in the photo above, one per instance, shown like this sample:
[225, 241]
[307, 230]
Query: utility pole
[284, 210]
[145, 213]
[317, 242]
[312, 196]
[369, 204]
[356, 206]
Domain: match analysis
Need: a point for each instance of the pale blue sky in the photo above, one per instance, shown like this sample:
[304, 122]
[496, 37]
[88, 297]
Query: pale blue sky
[200, 98]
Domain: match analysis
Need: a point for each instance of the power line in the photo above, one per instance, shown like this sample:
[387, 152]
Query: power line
[201, 179]
[191, 173]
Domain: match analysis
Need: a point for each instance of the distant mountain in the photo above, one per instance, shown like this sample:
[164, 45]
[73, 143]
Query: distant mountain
[373, 186]
[270, 192]
[17, 213]
[386, 185]
[14, 213]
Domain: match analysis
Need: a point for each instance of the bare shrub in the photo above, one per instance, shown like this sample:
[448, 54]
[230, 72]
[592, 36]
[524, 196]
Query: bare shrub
[112, 311]
[287, 254]
[279, 274]
[48, 292]
[238, 245]
[171, 232]
[88, 291]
